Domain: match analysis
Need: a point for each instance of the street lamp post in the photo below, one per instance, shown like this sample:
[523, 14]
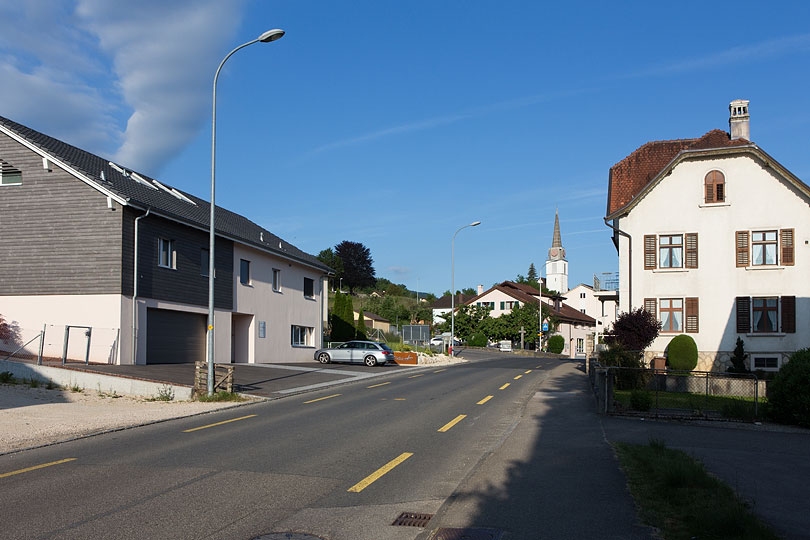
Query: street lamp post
[453, 286]
[266, 37]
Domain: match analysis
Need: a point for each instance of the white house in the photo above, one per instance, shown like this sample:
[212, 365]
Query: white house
[595, 302]
[712, 235]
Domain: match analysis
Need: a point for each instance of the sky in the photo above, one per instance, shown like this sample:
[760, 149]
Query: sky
[394, 123]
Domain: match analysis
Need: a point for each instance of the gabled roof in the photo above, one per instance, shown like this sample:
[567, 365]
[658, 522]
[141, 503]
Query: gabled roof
[138, 190]
[444, 301]
[369, 316]
[630, 176]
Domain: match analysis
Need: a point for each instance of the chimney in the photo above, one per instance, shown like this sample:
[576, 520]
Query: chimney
[480, 289]
[738, 120]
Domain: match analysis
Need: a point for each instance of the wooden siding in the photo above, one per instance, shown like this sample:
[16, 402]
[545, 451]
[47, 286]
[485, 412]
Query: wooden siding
[57, 235]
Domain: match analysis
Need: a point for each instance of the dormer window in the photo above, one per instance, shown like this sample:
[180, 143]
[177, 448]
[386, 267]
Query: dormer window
[715, 187]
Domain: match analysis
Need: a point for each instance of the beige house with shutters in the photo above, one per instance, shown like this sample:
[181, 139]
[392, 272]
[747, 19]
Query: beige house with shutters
[712, 235]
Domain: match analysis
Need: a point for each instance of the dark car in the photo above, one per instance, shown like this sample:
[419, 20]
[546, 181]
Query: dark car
[370, 353]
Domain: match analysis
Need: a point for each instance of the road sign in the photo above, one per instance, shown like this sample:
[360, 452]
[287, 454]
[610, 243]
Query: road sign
[545, 327]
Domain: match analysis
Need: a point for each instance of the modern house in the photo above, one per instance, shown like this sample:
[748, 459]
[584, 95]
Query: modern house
[712, 235]
[90, 243]
[575, 326]
[597, 301]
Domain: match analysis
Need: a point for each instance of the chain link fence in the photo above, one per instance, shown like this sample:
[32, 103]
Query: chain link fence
[677, 394]
[60, 343]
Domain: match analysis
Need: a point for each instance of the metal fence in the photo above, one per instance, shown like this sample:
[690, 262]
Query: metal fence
[65, 343]
[668, 393]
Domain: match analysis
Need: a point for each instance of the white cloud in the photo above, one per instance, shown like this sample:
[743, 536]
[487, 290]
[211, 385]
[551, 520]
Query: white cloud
[399, 270]
[131, 80]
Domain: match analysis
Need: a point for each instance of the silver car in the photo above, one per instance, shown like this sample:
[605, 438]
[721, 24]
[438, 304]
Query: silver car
[370, 353]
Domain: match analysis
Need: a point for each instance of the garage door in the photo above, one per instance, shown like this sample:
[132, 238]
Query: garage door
[174, 337]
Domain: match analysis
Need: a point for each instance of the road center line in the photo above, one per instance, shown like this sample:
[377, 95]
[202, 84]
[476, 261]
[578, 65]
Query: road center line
[417, 375]
[504, 387]
[537, 367]
[484, 400]
[519, 376]
[376, 475]
[322, 398]
[35, 467]
[440, 370]
[219, 423]
[452, 423]
[376, 385]
[527, 371]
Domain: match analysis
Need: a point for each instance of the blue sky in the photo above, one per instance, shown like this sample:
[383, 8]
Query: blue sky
[395, 123]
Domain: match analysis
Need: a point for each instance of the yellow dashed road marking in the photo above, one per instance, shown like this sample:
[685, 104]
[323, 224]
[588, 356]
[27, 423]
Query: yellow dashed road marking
[452, 423]
[219, 423]
[35, 467]
[373, 477]
[519, 376]
[440, 370]
[322, 398]
[415, 376]
[484, 400]
[376, 385]
[504, 386]
[527, 371]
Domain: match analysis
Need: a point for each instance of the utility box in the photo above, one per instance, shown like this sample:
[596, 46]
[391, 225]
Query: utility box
[659, 363]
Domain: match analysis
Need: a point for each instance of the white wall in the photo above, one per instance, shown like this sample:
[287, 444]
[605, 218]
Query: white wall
[497, 297]
[605, 315]
[756, 199]
[278, 309]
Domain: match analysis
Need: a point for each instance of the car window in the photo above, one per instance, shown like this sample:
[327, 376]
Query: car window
[368, 346]
[344, 346]
[386, 348]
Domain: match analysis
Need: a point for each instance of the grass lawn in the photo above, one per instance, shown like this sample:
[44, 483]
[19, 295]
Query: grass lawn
[676, 495]
[729, 406]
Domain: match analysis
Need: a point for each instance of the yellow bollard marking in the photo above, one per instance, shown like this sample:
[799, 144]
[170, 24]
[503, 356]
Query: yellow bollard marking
[218, 423]
[452, 423]
[322, 398]
[376, 475]
[35, 467]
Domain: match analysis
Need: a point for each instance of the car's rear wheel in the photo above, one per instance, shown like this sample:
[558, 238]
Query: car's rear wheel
[370, 360]
[323, 358]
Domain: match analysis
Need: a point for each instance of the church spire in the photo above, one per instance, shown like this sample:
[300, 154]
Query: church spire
[556, 265]
[557, 252]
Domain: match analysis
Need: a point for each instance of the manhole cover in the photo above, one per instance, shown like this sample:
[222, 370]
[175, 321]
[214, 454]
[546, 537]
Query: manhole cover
[467, 534]
[412, 519]
[287, 536]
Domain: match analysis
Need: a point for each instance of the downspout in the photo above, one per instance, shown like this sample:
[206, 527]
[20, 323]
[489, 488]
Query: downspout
[617, 230]
[135, 285]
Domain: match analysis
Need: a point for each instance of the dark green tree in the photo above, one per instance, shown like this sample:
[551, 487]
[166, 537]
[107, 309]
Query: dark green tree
[532, 278]
[361, 325]
[738, 358]
[328, 257]
[342, 323]
[468, 291]
[358, 269]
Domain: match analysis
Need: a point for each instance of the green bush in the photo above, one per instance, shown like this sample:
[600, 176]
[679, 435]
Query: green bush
[556, 344]
[789, 392]
[626, 379]
[640, 400]
[6, 377]
[682, 353]
[478, 340]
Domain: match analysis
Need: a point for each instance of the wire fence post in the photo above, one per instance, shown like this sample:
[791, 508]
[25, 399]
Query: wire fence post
[41, 345]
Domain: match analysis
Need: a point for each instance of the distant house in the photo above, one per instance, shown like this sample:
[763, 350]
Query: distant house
[596, 302]
[374, 321]
[575, 326]
[75, 227]
[441, 306]
[712, 235]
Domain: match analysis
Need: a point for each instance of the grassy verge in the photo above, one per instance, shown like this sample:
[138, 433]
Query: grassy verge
[729, 406]
[221, 396]
[676, 495]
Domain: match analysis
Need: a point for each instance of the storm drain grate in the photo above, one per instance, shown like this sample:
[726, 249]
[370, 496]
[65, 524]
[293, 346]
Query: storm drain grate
[412, 519]
[467, 534]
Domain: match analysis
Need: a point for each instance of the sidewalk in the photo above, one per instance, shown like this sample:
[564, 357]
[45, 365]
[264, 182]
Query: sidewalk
[555, 476]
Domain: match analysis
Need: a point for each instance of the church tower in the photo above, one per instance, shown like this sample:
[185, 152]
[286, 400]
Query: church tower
[556, 265]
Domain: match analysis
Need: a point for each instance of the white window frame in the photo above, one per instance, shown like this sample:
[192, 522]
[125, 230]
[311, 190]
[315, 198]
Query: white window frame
[301, 336]
[167, 253]
[755, 357]
[3, 182]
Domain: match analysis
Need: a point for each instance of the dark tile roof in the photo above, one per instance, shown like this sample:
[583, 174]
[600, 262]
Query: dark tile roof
[629, 176]
[444, 301]
[99, 171]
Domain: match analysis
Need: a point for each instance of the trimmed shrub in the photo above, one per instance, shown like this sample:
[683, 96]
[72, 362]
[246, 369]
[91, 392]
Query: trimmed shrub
[556, 344]
[478, 340]
[789, 393]
[738, 358]
[682, 353]
[640, 400]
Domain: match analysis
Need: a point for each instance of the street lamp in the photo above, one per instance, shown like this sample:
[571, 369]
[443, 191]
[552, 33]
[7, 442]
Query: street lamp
[266, 37]
[453, 286]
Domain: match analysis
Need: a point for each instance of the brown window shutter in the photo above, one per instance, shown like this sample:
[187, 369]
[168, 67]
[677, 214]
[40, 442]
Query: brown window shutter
[743, 314]
[709, 192]
[650, 257]
[651, 305]
[786, 239]
[692, 315]
[789, 314]
[742, 248]
[691, 250]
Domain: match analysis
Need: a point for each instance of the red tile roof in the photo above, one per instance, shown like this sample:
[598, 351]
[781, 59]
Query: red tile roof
[528, 295]
[629, 176]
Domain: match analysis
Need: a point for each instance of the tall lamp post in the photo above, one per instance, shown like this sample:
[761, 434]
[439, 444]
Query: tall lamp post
[266, 37]
[453, 286]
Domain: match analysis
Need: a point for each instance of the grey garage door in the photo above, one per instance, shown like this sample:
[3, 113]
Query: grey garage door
[174, 337]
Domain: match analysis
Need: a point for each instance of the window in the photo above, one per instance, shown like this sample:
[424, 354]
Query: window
[671, 314]
[507, 305]
[764, 314]
[760, 315]
[9, 176]
[582, 295]
[580, 345]
[715, 184]
[166, 254]
[670, 250]
[276, 279]
[244, 272]
[262, 329]
[301, 336]
[204, 262]
[763, 248]
[488, 305]
[766, 362]
[309, 287]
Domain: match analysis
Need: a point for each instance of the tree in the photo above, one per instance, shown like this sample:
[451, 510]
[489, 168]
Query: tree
[361, 325]
[532, 278]
[738, 358]
[328, 257]
[357, 265]
[469, 291]
[342, 325]
[634, 330]
[446, 293]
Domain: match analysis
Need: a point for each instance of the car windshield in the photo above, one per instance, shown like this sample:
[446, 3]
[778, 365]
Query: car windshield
[386, 348]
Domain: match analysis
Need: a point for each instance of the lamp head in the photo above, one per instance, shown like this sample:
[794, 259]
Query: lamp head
[475, 223]
[271, 35]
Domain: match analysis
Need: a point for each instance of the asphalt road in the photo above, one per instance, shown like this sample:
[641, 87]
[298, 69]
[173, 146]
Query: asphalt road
[338, 463]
